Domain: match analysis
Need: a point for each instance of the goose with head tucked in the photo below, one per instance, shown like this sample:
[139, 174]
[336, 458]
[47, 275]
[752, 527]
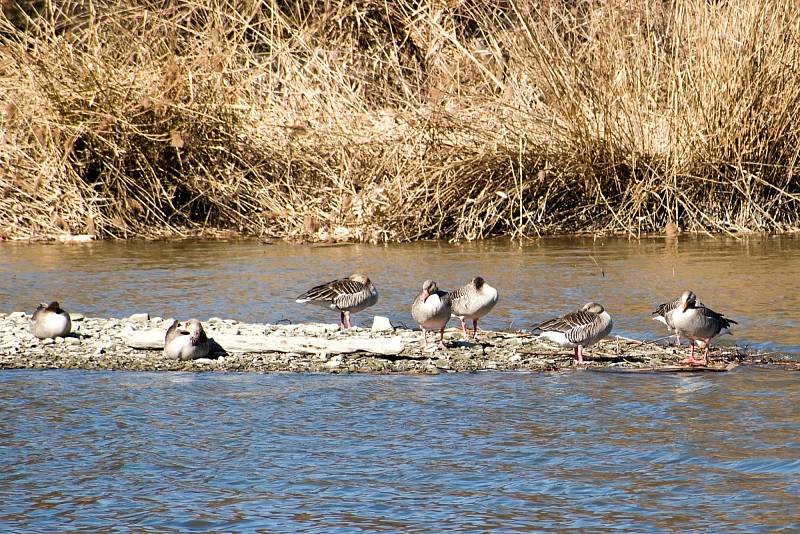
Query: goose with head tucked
[471, 302]
[431, 310]
[186, 341]
[698, 323]
[578, 329]
[346, 295]
[50, 321]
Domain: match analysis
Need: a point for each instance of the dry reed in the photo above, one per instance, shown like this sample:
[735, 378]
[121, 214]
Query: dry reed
[384, 121]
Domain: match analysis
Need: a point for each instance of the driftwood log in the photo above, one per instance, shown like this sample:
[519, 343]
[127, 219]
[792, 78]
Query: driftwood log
[154, 340]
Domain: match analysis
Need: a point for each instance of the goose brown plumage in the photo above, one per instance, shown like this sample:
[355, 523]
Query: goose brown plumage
[346, 295]
[578, 329]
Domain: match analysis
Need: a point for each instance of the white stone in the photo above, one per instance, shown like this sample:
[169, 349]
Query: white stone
[334, 362]
[381, 324]
[139, 317]
[154, 340]
[17, 315]
[75, 317]
[59, 340]
[48, 341]
[72, 341]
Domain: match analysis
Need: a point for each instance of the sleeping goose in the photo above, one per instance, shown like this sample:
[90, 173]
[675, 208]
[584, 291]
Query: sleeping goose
[186, 341]
[578, 329]
[473, 301]
[698, 323]
[347, 295]
[431, 310]
[50, 320]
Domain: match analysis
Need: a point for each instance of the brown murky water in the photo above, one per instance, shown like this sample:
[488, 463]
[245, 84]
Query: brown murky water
[753, 280]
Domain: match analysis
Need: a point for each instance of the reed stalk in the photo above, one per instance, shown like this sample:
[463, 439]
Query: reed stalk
[391, 121]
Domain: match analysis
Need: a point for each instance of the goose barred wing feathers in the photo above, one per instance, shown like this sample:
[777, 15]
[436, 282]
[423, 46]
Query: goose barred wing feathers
[567, 322]
[666, 307]
[724, 322]
[344, 294]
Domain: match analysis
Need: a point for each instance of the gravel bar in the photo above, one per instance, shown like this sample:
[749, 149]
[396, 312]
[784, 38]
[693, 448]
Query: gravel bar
[101, 343]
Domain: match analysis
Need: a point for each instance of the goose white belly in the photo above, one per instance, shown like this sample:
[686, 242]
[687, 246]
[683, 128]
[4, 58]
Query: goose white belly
[559, 338]
[51, 325]
[181, 348]
[433, 312]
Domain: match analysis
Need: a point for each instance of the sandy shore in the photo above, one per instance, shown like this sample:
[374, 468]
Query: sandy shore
[106, 343]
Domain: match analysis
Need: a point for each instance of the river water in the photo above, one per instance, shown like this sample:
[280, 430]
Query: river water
[512, 452]
[754, 280]
[507, 452]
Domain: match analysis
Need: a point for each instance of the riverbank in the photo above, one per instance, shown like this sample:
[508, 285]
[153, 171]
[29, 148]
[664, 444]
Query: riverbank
[133, 344]
[388, 122]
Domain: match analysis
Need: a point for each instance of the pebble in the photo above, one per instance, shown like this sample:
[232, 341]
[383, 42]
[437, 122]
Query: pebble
[139, 317]
[381, 324]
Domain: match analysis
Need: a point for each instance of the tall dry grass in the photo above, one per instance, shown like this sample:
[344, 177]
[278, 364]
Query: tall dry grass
[373, 120]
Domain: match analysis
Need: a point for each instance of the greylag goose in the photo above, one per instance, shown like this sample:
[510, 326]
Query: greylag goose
[578, 329]
[186, 341]
[431, 310]
[663, 314]
[473, 301]
[50, 320]
[347, 295]
[698, 323]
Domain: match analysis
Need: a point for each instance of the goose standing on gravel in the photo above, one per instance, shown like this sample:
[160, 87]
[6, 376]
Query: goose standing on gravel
[473, 301]
[578, 329]
[431, 310]
[50, 320]
[347, 295]
[698, 323]
[186, 341]
[663, 314]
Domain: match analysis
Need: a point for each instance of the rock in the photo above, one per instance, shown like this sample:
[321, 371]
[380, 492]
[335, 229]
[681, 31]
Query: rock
[16, 315]
[72, 341]
[334, 362]
[59, 340]
[381, 324]
[76, 317]
[514, 358]
[47, 341]
[139, 317]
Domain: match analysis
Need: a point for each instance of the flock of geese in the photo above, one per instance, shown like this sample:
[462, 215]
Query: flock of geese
[432, 310]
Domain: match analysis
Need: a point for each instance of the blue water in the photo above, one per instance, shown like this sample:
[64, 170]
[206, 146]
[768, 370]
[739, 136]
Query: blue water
[511, 452]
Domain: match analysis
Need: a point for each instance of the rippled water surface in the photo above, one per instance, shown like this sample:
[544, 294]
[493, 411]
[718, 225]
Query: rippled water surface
[753, 280]
[514, 452]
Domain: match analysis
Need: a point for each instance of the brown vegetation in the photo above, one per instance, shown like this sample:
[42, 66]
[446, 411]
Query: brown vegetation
[374, 120]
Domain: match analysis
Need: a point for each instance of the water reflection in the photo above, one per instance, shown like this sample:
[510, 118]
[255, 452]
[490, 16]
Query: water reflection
[753, 279]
